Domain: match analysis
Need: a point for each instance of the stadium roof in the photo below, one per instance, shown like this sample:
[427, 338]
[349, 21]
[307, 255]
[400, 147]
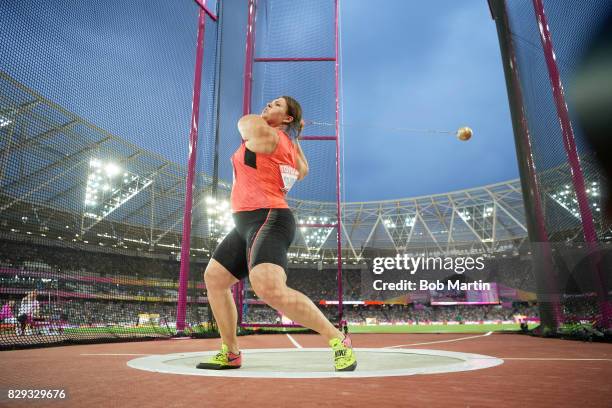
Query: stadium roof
[62, 176]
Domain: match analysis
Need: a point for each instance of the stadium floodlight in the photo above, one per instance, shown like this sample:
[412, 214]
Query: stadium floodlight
[593, 190]
[465, 215]
[4, 121]
[169, 246]
[566, 198]
[220, 220]
[315, 237]
[111, 170]
[409, 222]
[105, 235]
[308, 256]
[389, 223]
[104, 193]
[137, 241]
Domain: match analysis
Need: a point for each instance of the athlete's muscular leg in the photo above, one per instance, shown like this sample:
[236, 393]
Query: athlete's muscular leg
[218, 283]
[269, 283]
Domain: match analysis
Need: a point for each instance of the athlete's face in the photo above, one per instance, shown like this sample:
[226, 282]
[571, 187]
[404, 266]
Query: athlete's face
[275, 113]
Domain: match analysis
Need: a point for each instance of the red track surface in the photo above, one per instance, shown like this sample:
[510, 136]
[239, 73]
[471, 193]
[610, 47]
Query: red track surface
[100, 381]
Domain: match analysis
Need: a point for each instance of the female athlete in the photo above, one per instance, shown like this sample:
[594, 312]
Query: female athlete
[266, 166]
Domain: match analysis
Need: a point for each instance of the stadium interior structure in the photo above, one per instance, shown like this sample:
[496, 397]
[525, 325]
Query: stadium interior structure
[93, 209]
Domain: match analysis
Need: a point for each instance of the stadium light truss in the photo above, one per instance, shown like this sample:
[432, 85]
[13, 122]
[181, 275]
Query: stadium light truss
[391, 223]
[314, 237]
[475, 212]
[109, 187]
[566, 198]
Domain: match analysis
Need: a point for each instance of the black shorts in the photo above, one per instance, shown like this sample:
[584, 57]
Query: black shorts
[260, 236]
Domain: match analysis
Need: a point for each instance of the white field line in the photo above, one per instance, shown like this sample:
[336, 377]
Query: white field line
[554, 359]
[295, 343]
[442, 341]
[114, 354]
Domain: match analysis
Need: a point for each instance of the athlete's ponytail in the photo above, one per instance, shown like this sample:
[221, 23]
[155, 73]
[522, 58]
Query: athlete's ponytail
[294, 129]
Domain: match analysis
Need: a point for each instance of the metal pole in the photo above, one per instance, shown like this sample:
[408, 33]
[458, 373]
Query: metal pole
[248, 64]
[193, 147]
[569, 143]
[215, 179]
[246, 109]
[547, 280]
[152, 221]
[339, 215]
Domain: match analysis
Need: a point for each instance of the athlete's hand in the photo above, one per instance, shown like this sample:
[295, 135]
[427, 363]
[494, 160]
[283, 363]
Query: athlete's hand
[302, 124]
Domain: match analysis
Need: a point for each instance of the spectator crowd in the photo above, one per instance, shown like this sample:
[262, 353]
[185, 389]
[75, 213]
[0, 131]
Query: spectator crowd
[57, 274]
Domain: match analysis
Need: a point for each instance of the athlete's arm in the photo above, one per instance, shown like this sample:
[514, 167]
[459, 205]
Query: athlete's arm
[258, 136]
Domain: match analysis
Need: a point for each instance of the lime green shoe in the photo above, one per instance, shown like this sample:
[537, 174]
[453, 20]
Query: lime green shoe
[223, 360]
[344, 358]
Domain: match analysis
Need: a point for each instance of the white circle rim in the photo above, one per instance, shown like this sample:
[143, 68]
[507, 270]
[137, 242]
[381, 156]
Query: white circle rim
[157, 363]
